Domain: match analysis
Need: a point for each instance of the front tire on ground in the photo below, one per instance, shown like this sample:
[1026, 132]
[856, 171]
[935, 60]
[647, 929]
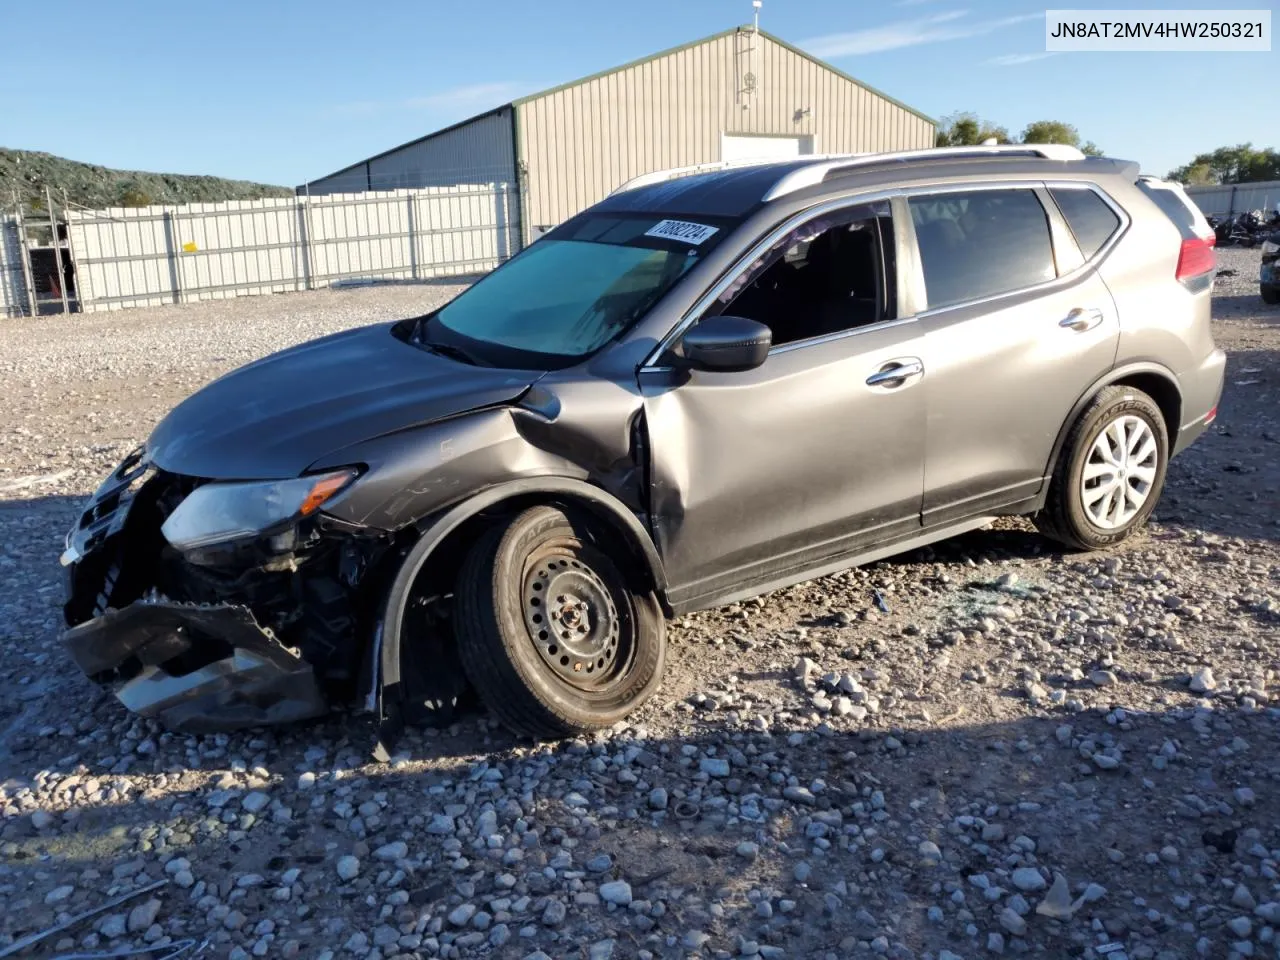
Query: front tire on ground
[557, 635]
[1270, 294]
[1110, 473]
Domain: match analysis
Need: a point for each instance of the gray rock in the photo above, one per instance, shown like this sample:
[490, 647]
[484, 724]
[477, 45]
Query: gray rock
[441, 825]
[59, 894]
[461, 915]
[1242, 898]
[1013, 922]
[348, 867]
[255, 802]
[143, 915]
[390, 852]
[113, 926]
[1240, 926]
[554, 913]
[600, 863]
[1028, 880]
[1203, 681]
[801, 795]
[714, 766]
[617, 892]
[658, 799]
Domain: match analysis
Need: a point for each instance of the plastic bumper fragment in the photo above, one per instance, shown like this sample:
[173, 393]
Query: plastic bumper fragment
[196, 669]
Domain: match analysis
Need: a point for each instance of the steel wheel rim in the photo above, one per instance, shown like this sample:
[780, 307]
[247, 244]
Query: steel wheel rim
[572, 619]
[1120, 472]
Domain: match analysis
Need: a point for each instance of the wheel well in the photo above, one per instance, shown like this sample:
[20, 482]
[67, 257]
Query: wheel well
[447, 556]
[1164, 392]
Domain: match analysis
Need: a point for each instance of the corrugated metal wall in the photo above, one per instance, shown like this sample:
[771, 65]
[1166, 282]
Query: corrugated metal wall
[353, 179]
[13, 287]
[146, 256]
[1236, 198]
[581, 141]
[477, 151]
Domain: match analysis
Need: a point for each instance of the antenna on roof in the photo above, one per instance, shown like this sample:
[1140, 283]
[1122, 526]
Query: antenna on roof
[755, 5]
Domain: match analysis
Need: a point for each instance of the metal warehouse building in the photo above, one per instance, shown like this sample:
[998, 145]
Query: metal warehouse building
[739, 94]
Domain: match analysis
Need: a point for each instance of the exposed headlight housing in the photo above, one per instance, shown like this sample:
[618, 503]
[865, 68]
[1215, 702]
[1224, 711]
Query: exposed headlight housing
[222, 512]
[1270, 246]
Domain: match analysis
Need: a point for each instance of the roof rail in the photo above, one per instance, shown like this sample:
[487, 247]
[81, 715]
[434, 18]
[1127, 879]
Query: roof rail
[815, 173]
[660, 176]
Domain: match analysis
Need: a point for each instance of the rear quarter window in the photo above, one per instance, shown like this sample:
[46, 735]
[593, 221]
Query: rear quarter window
[1091, 220]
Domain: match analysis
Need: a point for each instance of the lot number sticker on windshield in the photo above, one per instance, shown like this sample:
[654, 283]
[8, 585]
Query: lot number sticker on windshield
[693, 233]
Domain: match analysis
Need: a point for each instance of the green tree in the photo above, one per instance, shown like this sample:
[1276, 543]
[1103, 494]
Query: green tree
[968, 130]
[1238, 164]
[1055, 131]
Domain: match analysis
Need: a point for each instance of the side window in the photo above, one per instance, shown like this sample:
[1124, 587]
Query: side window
[1091, 220]
[980, 243]
[828, 275]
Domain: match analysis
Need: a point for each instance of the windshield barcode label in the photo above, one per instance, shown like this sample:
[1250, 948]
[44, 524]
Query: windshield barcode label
[693, 233]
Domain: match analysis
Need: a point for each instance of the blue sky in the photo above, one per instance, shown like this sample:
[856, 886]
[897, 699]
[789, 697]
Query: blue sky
[282, 91]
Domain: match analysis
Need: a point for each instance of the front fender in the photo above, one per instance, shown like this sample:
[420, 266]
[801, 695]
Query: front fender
[436, 530]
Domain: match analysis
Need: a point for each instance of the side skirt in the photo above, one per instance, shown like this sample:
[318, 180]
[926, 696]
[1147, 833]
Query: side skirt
[833, 565]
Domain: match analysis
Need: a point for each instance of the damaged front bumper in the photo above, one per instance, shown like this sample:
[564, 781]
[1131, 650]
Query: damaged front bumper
[269, 632]
[154, 655]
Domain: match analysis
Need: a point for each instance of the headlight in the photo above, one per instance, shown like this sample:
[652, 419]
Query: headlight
[218, 512]
[1270, 246]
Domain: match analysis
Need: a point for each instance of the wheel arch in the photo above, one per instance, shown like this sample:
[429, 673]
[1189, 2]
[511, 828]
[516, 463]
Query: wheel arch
[439, 529]
[1153, 379]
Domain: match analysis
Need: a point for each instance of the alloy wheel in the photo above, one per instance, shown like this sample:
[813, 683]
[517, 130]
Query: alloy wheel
[1120, 472]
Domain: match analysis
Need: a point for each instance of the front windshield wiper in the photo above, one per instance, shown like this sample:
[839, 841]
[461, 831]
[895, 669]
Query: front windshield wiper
[452, 352]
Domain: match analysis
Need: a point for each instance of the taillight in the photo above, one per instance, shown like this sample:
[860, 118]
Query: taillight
[1195, 258]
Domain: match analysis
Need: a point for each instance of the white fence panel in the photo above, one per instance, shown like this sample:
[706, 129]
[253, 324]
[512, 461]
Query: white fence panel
[146, 256]
[1236, 197]
[13, 285]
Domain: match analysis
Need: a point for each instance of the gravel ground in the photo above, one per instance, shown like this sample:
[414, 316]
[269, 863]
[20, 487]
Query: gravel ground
[989, 747]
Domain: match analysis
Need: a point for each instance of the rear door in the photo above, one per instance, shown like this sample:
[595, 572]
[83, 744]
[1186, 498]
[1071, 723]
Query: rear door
[1017, 325]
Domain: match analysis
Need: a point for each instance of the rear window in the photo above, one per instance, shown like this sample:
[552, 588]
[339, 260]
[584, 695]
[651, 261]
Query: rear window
[1091, 220]
[981, 243]
[1174, 207]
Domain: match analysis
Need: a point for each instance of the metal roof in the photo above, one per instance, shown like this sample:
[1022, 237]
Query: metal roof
[626, 66]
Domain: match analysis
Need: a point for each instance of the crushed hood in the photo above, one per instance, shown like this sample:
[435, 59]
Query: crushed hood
[275, 417]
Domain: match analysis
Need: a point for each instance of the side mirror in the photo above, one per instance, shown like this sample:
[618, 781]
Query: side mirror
[727, 344]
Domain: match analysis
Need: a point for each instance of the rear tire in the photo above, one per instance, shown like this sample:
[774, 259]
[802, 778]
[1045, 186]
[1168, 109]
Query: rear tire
[1110, 473]
[553, 636]
[1270, 294]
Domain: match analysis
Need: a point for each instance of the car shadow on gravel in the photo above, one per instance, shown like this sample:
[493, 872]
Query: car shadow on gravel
[809, 840]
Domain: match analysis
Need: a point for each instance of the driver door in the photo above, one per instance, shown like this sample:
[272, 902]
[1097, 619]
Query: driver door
[761, 476]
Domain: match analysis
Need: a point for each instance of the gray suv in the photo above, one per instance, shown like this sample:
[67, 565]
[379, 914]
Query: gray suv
[705, 387]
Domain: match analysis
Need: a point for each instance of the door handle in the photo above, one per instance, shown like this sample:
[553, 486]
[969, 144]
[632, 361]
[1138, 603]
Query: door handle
[896, 373]
[1081, 319]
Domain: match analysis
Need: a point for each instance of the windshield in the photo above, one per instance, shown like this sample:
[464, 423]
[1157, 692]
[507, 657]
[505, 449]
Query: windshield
[573, 291]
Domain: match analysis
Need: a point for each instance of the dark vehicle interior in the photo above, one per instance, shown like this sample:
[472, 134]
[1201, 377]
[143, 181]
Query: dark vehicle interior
[816, 284]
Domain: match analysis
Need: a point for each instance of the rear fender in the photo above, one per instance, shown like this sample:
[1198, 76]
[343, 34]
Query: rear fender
[1125, 372]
